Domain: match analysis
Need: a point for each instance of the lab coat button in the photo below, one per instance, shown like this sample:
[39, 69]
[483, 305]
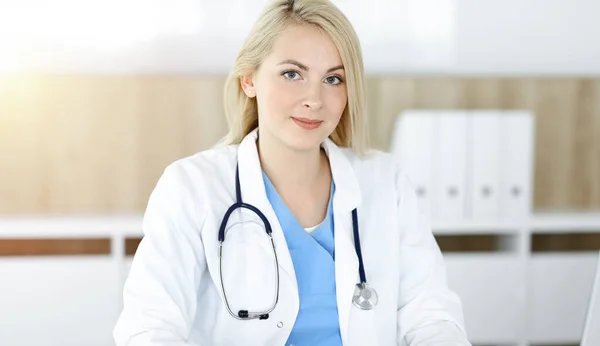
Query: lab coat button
[280, 324]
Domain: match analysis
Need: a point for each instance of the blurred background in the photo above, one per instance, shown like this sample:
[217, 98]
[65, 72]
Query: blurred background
[493, 107]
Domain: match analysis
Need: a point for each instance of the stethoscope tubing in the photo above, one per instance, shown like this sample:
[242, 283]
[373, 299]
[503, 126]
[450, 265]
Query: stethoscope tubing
[244, 314]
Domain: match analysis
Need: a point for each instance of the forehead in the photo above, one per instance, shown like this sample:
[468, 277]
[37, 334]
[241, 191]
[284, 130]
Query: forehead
[305, 44]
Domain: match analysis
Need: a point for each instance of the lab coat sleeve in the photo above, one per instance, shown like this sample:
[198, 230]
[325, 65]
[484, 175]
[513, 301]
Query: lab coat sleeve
[160, 292]
[429, 313]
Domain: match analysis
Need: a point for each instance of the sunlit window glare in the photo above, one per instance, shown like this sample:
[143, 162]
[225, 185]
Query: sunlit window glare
[31, 31]
[159, 34]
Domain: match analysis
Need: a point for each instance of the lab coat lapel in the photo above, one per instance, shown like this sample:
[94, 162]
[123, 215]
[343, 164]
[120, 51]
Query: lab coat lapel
[253, 192]
[347, 197]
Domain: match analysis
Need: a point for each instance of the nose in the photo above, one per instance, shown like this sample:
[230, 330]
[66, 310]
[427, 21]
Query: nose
[313, 99]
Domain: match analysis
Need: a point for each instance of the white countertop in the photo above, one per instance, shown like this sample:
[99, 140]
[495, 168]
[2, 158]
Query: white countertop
[130, 225]
[70, 226]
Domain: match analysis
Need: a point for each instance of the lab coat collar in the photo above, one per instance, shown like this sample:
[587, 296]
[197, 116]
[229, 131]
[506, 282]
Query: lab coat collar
[250, 171]
[347, 193]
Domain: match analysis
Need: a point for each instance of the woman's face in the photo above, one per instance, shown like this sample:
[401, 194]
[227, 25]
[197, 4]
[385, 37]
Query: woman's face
[300, 89]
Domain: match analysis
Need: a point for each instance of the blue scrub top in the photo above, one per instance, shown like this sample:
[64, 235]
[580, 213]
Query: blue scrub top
[313, 256]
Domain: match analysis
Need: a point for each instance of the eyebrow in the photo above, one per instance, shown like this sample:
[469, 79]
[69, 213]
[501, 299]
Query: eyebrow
[305, 68]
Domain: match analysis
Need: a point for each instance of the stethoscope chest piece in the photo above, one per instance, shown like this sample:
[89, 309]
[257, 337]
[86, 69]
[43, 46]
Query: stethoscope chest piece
[365, 297]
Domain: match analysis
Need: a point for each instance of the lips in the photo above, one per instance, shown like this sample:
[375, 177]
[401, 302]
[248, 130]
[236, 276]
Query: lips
[307, 124]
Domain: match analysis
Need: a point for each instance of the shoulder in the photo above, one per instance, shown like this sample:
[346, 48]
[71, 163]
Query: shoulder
[181, 193]
[374, 160]
[382, 172]
[202, 162]
[376, 164]
[192, 175]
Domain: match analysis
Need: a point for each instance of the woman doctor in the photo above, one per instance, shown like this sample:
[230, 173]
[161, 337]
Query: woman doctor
[292, 233]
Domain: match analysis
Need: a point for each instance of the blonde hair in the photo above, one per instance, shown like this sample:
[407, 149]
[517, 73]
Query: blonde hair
[242, 111]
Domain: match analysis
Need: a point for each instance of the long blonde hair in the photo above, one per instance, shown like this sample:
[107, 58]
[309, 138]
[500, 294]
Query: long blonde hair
[242, 111]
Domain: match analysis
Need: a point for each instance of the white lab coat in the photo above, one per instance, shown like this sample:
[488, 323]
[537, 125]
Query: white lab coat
[173, 296]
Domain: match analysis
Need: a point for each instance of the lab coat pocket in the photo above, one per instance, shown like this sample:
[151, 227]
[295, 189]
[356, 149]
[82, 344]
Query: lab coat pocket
[363, 328]
[248, 267]
[378, 325]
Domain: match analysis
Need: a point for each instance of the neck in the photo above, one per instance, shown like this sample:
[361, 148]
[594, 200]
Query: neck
[291, 169]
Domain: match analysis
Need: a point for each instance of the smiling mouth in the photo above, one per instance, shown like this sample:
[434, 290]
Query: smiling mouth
[307, 124]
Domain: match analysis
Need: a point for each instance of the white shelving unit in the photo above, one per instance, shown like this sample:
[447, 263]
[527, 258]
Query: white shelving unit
[473, 171]
[514, 296]
[510, 297]
[560, 283]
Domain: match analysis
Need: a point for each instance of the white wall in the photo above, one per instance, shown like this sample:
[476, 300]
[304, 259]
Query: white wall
[407, 36]
[528, 36]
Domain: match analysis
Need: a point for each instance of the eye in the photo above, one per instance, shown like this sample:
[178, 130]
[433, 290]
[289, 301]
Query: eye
[334, 80]
[291, 75]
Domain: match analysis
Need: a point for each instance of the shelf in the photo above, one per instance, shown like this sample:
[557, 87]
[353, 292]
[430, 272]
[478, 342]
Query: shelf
[130, 225]
[476, 227]
[546, 222]
[561, 222]
[79, 226]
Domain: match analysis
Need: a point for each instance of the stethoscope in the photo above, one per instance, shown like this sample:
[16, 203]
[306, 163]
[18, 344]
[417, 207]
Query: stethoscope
[364, 298]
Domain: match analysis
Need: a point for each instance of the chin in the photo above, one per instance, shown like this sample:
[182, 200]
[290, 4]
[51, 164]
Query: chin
[302, 140]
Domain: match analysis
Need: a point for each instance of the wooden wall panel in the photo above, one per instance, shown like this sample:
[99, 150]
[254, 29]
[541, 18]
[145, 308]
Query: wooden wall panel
[385, 97]
[584, 138]
[481, 93]
[98, 143]
[517, 93]
[554, 109]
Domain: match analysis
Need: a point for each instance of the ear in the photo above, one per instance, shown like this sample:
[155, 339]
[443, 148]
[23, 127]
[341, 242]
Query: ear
[247, 84]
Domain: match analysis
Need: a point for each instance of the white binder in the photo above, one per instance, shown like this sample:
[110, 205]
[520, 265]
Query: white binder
[516, 163]
[483, 164]
[450, 165]
[412, 144]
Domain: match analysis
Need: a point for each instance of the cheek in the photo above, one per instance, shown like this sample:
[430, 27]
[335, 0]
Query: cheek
[278, 99]
[338, 98]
